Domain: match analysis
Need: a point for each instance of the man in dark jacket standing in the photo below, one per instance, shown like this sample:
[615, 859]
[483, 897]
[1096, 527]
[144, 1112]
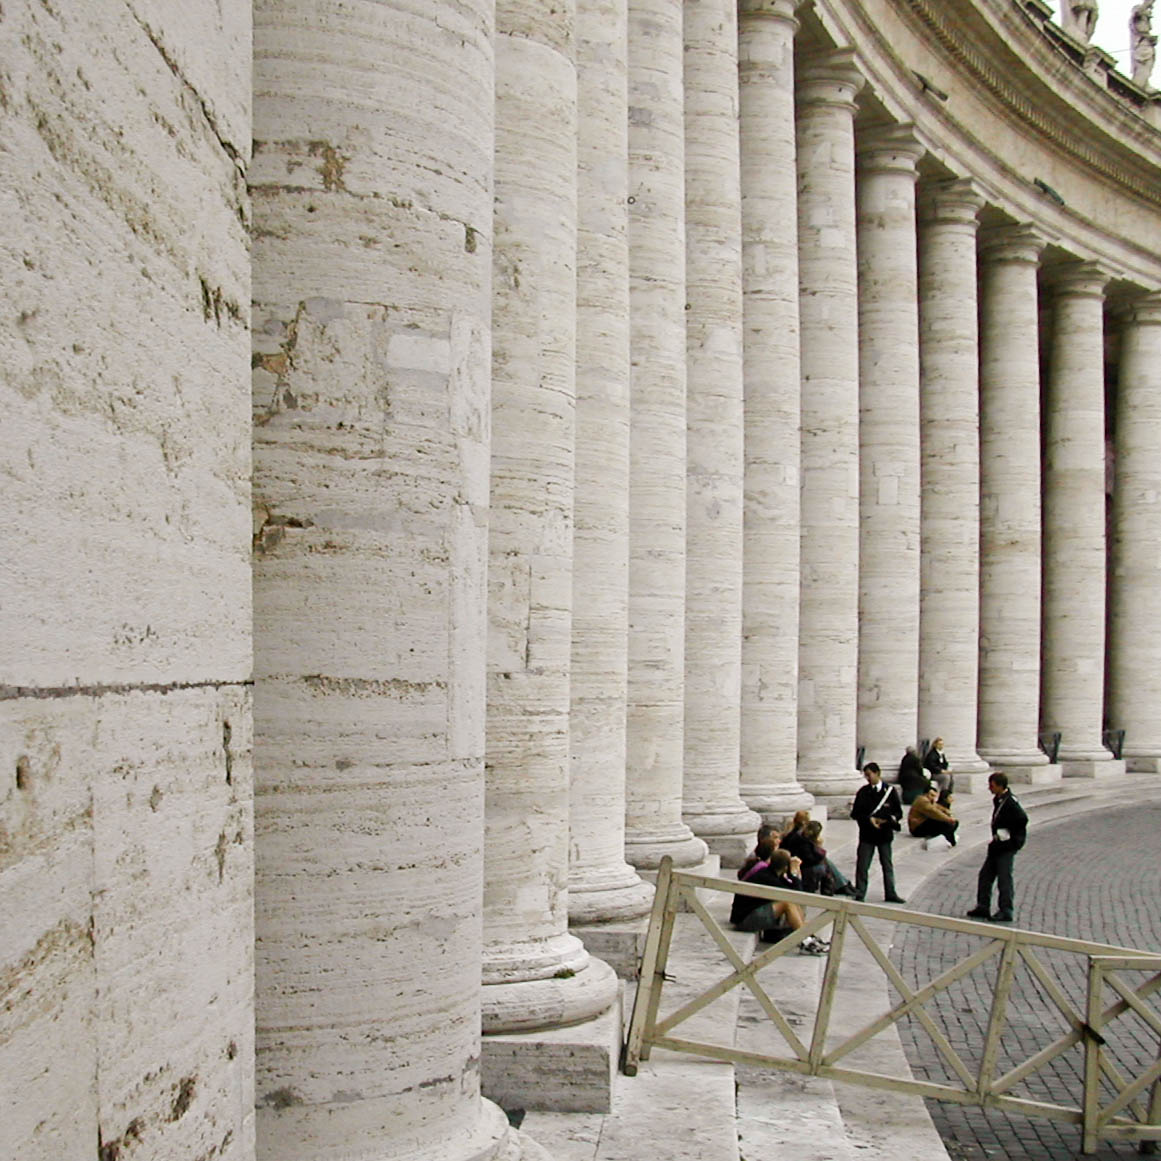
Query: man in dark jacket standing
[878, 811]
[1009, 832]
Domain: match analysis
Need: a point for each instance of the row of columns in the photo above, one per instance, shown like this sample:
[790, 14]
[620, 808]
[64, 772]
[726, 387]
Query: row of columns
[657, 386]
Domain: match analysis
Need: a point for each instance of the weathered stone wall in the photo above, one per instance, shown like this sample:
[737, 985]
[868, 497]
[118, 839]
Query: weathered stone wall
[125, 833]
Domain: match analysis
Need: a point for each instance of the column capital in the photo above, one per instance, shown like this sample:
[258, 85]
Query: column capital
[783, 10]
[1078, 280]
[830, 78]
[957, 201]
[1018, 244]
[1145, 311]
[889, 149]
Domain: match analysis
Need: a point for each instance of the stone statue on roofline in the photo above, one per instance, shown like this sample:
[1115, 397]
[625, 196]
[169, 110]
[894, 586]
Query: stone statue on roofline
[1142, 42]
[1080, 17]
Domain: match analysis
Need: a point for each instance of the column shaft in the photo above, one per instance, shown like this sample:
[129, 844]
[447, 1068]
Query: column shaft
[602, 885]
[1135, 612]
[1009, 700]
[535, 973]
[828, 310]
[1073, 624]
[711, 805]
[888, 444]
[372, 189]
[769, 728]
[949, 603]
[657, 462]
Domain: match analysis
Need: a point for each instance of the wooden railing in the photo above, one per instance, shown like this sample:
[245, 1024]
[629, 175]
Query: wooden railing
[1115, 1098]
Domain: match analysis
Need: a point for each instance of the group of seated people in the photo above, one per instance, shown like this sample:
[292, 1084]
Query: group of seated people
[796, 859]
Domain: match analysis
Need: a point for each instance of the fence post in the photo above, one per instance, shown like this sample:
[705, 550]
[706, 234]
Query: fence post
[652, 974]
[1092, 1058]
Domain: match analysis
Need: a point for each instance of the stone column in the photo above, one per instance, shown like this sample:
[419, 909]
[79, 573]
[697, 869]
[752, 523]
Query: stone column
[126, 837]
[888, 443]
[828, 309]
[372, 187]
[769, 727]
[602, 886]
[657, 464]
[1073, 619]
[949, 601]
[1009, 706]
[711, 804]
[535, 973]
[1135, 604]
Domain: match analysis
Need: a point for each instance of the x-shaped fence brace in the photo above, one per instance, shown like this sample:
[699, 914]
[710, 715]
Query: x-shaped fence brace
[1106, 966]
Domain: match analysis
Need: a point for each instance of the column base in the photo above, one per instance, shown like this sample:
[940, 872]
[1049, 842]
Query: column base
[566, 1069]
[774, 801]
[1043, 775]
[1107, 767]
[729, 831]
[646, 849]
[613, 896]
[972, 781]
[620, 945]
[1143, 763]
[564, 985]
[968, 761]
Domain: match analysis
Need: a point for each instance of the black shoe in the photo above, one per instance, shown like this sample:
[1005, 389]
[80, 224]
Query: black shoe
[979, 913]
[894, 899]
[847, 889]
[1001, 917]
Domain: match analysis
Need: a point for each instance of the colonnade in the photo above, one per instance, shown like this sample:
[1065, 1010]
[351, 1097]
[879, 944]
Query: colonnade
[649, 429]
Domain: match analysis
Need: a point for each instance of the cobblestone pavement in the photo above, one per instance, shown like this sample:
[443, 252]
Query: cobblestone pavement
[1095, 877]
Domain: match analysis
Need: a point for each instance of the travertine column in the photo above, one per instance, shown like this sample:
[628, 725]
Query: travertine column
[126, 844]
[714, 461]
[602, 885]
[535, 973]
[1135, 598]
[772, 391]
[1073, 618]
[1009, 709]
[828, 307]
[372, 275]
[657, 467]
[949, 400]
[888, 443]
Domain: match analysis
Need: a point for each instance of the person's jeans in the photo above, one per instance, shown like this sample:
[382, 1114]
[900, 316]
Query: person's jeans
[997, 869]
[863, 856]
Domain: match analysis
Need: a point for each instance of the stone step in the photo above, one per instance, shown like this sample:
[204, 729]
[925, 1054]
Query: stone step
[677, 1107]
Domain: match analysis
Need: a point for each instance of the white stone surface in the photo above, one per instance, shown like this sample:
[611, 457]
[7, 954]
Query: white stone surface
[769, 726]
[888, 443]
[1009, 699]
[126, 854]
[526, 942]
[949, 596]
[1073, 636]
[1135, 599]
[655, 700]
[828, 308]
[602, 885]
[372, 191]
[711, 805]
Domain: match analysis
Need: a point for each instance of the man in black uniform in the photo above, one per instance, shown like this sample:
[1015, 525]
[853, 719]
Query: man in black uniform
[877, 810]
[1009, 832]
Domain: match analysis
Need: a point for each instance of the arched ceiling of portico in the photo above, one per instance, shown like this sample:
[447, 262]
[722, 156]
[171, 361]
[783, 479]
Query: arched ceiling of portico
[998, 95]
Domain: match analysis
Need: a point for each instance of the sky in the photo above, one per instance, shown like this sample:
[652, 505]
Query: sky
[1112, 30]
